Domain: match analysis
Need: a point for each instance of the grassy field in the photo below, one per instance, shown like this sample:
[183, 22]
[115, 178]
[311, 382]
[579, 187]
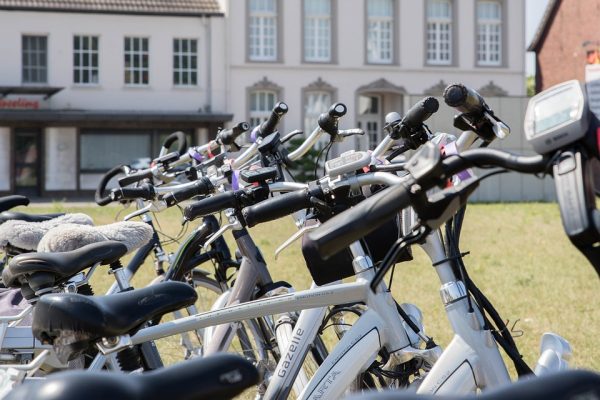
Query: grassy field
[520, 258]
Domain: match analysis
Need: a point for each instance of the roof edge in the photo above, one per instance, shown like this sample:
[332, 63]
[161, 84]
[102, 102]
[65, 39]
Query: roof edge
[114, 12]
[542, 30]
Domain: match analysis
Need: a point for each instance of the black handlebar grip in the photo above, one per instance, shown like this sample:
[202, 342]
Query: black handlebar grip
[210, 205]
[135, 177]
[145, 192]
[464, 99]
[8, 202]
[329, 121]
[99, 196]
[420, 112]
[343, 229]
[268, 127]
[199, 188]
[181, 140]
[276, 207]
[228, 136]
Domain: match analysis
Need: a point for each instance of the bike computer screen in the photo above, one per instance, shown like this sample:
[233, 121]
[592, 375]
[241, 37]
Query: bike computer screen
[556, 117]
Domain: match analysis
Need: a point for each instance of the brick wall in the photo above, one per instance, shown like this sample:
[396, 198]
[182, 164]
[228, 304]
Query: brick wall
[562, 56]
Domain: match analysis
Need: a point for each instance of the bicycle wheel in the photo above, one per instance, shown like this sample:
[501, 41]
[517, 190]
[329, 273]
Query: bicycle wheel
[248, 342]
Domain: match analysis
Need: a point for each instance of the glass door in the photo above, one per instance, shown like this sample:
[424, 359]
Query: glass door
[27, 162]
[369, 118]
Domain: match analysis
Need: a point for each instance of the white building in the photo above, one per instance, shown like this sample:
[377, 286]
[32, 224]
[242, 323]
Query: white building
[87, 85]
[373, 55]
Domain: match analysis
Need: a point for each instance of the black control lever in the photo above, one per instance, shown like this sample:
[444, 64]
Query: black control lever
[411, 127]
[474, 111]
[329, 121]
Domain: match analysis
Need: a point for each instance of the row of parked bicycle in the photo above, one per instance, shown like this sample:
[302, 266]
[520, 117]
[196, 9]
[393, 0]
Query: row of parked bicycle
[359, 219]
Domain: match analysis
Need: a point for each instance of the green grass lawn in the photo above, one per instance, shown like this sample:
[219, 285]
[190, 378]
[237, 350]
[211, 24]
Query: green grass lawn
[520, 258]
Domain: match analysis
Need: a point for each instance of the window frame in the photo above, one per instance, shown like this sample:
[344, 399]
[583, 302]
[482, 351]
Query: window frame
[189, 70]
[332, 35]
[262, 85]
[279, 34]
[453, 53]
[395, 47]
[133, 69]
[30, 67]
[318, 86]
[503, 36]
[90, 68]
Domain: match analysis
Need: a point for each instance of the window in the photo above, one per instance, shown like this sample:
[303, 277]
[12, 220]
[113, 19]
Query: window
[317, 30]
[185, 62]
[85, 60]
[380, 31]
[261, 104]
[35, 59]
[262, 30]
[101, 150]
[369, 118]
[489, 33]
[316, 102]
[136, 61]
[439, 32]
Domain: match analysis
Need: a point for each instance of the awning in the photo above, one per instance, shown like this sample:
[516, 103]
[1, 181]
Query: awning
[46, 91]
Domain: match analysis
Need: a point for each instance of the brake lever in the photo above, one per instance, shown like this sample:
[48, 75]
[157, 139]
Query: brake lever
[501, 130]
[351, 132]
[231, 226]
[291, 135]
[154, 206]
[298, 234]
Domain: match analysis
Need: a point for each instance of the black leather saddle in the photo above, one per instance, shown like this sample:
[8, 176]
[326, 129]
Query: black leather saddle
[13, 215]
[8, 202]
[565, 385]
[222, 376]
[59, 315]
[45, 270]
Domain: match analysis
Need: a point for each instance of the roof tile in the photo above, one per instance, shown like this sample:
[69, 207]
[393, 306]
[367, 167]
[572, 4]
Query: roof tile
[165, 7]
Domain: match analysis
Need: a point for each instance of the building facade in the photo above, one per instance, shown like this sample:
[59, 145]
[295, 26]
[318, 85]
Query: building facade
[85, 86]
[567, 39]
[370, 54]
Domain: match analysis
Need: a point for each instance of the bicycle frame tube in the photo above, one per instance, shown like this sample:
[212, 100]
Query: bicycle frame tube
[252, 272]
[472, 345]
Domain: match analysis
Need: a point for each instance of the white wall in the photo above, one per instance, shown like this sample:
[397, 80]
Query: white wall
[111, 93]
[4, 158]
[60, 159]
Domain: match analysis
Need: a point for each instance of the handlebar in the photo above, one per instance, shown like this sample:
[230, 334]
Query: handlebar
[329, 121]
[464, 99]
[343, 229]
[210, 205]
[228, 136]
[201, 187]
[178, 137]
[136, 177]
[280, 206]
[145, 192]
[99, 197]
[420, 112]
[268, 127]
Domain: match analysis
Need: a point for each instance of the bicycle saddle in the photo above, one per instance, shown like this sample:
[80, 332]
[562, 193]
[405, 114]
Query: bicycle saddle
[222, 376]
[565, 385]
[8, 202]
[75, 321]
[69, 237]
[26, 235]
[43, 270]
[14, 215]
